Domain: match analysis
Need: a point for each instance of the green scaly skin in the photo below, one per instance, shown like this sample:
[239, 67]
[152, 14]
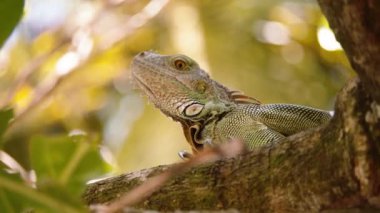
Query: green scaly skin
[209, 112]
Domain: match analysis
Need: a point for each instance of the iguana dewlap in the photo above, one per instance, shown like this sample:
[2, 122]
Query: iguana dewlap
[209, 112]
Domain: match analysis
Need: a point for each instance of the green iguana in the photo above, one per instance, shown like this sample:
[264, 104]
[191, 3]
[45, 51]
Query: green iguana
[209, 112]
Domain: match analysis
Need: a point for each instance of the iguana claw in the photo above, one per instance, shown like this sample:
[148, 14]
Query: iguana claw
[184, 155]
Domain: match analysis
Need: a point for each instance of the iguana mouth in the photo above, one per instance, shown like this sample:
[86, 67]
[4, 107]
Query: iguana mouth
[142, 85]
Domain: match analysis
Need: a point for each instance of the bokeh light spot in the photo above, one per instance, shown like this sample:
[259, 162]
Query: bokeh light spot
[327, 40]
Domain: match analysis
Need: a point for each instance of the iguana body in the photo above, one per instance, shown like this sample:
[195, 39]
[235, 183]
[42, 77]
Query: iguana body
[211, 113]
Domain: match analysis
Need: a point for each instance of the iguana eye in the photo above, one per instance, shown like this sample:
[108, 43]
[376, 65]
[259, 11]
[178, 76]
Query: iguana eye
[180, 64]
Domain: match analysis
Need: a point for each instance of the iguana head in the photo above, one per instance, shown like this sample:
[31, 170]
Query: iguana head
[179, 87]
[182, 90]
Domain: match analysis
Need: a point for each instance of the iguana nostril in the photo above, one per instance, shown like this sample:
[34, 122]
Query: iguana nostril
[142, 54]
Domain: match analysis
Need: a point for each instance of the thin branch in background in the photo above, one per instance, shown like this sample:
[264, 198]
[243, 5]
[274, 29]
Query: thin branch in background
[110, 40]
[28, 70]
[118, 2]
[136, 21]
[143, 191]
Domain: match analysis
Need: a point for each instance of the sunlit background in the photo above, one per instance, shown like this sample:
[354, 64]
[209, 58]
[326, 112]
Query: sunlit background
[65, 68]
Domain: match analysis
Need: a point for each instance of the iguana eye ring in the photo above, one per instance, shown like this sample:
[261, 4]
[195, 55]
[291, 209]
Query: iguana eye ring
[180, 64]
[190, 109]
[193, 109]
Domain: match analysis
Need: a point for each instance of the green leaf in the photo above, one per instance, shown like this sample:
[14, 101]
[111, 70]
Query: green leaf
[10, 14]
[16, 196]
[63, 165]
[5, 116]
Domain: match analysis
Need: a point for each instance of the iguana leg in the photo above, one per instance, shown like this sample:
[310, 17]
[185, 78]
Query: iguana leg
[261, 137]
[289, 119]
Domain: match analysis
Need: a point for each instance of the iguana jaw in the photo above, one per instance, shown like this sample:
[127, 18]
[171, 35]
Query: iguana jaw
[142, 86]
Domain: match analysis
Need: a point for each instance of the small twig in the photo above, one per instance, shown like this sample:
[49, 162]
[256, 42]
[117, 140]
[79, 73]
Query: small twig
[134, 22]
[146, 189]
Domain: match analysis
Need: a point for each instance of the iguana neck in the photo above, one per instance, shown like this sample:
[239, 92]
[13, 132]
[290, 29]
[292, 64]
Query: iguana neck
[193, 130]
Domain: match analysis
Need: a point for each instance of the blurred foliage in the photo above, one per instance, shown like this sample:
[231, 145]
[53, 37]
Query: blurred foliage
[10, 13]
[5, 117]
[67, 163]
[64, 73]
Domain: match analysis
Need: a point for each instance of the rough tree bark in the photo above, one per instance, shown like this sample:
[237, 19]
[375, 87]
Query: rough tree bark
[336, 166]
[356, 24]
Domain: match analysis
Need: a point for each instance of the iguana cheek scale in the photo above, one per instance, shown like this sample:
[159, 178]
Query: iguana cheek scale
[209, 112]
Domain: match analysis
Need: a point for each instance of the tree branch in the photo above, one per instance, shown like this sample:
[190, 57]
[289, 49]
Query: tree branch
[336, 166]
[333, 167]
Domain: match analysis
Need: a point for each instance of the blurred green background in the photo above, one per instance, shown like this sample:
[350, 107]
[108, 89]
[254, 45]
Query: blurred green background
[64, 78]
